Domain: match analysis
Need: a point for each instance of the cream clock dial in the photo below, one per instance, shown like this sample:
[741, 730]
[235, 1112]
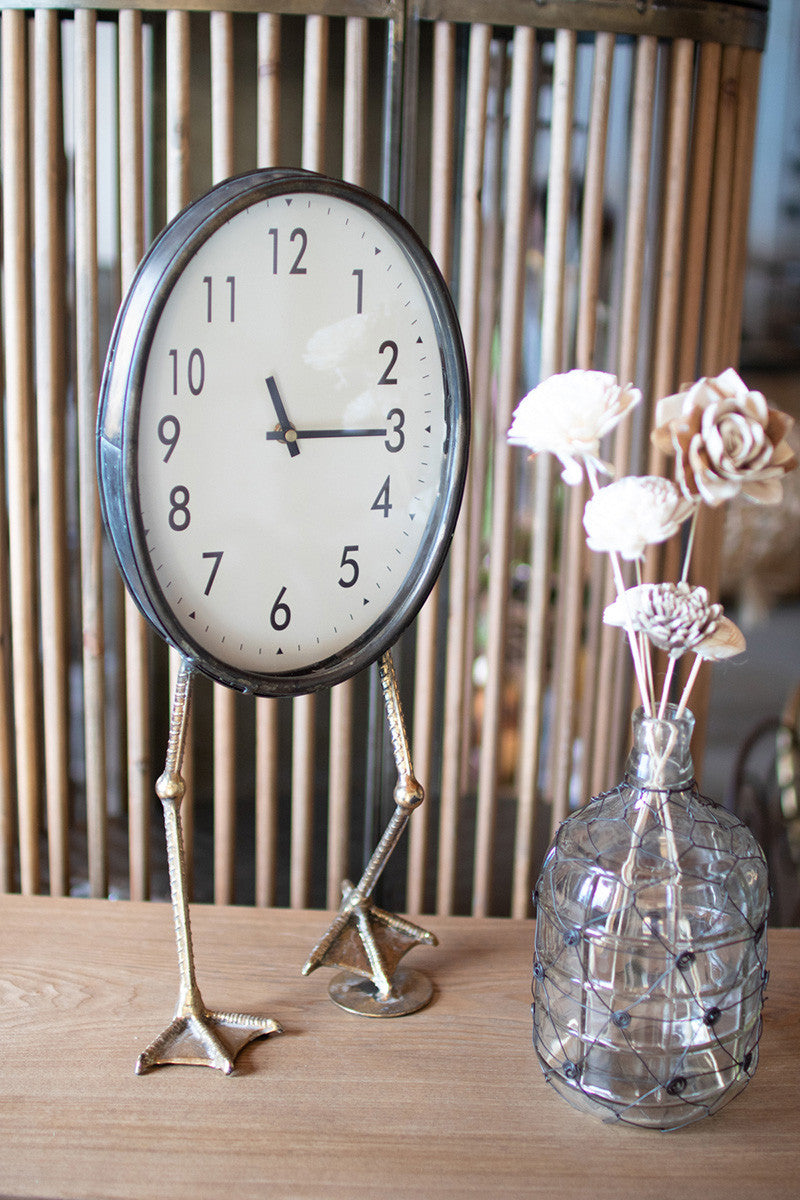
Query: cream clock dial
[283, 431]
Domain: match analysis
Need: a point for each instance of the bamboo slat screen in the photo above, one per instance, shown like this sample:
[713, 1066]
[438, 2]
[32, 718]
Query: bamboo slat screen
[583, 184]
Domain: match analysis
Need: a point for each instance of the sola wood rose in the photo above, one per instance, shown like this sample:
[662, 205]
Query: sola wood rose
[726, 441]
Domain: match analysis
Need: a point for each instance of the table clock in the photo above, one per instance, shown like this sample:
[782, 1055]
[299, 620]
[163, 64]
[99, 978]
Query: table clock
[282, 447]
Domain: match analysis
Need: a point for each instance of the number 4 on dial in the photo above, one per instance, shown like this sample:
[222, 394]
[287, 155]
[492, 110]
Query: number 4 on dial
[381, 501]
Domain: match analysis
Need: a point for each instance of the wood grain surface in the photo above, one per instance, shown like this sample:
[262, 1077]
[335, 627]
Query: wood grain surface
[449, 1102]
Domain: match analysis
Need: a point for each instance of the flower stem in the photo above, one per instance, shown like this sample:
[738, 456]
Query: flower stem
[689, 546]
[644, 647]
[619, 583]
[684, 700]
[673, 662]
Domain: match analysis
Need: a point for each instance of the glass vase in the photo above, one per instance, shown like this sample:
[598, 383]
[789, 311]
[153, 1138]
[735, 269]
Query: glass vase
[651, 948]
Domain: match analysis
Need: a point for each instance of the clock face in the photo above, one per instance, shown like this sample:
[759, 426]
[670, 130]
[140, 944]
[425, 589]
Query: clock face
[283, 431]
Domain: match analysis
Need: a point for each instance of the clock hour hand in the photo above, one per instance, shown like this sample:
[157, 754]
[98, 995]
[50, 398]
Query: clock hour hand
[287, 433]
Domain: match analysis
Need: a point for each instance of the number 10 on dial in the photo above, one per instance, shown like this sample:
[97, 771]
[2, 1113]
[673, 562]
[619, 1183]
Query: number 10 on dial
[283, 431]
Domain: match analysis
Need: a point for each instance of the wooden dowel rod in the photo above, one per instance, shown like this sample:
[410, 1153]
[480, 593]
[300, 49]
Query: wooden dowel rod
[715, 344]
[340, 780]
[483, 380]
[697, 222]
[315, 86]
[266, 818]
[514, 244]
[224, 706]
[593, 200]
[178, 111]
[737, 259]
[315, 83]
[706, 103]
[8, 822]
[536, 639]
[19, 434]
[538, 615]
[267, 710]
[613, 669]
[304, 714]
[340, 754]
[736, 131]
[354, 141]
[663, 561]
[557, 216]
[440, 241]
[178, 188]
[131, 194]
[458, 659]
[86, 389]
[224, 699]
[268, 92]
[636, 229]
[49, 307]
[440, 237]
[673, 224]
[222, 98]
[590, 263]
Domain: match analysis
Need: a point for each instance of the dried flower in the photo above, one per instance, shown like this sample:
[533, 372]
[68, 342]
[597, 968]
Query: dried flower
[726, 440]
[677, 617]
[632, 513]
[568, 415]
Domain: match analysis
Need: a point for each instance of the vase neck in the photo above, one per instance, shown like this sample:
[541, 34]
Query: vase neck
[661, 756]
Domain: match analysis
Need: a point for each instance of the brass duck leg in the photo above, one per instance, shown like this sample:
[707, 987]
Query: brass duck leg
[195, 1036]
[362, 938]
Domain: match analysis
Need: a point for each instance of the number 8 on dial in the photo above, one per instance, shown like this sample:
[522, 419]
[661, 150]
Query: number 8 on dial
[283, 430]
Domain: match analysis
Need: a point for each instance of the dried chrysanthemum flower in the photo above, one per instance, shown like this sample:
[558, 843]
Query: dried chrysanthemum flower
[677, 617]
[632, 513]
[726, 440]
[567, 415]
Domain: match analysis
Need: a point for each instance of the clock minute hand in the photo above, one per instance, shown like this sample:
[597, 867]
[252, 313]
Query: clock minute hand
[277, 435]
[287, 433]
[341, 433]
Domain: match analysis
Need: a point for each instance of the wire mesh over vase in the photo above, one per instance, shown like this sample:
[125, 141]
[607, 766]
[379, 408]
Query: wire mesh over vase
[650, 956]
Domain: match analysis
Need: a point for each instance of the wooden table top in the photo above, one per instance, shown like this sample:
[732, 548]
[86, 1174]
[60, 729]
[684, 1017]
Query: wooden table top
[449, 1102]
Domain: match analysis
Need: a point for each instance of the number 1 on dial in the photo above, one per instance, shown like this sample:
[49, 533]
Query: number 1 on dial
[359, 274]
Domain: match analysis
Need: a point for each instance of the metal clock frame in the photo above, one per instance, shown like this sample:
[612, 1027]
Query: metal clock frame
[118, 419]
